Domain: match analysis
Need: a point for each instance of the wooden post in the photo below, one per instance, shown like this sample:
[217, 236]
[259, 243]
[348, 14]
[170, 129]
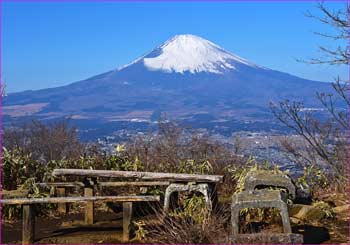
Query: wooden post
[62, 207]
[28, 228]
[127, 213]
[89, 206]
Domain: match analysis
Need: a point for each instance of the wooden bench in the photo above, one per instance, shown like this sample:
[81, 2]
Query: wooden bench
[28, 215]
[61, 191]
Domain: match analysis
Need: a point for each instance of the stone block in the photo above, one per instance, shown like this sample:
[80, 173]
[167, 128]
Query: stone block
[268, 178]
[268, 238]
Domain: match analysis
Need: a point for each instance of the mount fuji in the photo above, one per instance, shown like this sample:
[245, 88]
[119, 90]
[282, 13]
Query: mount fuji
[187, 77]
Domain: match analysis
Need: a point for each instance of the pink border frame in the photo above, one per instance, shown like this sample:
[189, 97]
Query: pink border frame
[1, 82]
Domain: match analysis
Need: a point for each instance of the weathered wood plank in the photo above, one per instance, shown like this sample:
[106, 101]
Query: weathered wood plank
[19, 193]
[127, 214]
[22, 201]
[138, 175]
[106, 184]
[61, 184]
[62, 207]
[89, 206]
[135, 183]
[28, 225]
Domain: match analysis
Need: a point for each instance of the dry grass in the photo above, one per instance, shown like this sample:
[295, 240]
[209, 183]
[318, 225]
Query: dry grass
[184, 229]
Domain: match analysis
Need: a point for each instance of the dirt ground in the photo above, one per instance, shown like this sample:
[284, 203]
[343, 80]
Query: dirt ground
[69, 228]
[66, 229]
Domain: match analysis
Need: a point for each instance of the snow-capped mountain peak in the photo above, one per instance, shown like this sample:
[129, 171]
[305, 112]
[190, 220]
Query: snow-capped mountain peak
[190, 53]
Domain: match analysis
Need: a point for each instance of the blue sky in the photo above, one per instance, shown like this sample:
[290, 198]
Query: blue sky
[56, 43]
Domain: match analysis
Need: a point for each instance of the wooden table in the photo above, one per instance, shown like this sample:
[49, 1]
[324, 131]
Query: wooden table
[203, 183]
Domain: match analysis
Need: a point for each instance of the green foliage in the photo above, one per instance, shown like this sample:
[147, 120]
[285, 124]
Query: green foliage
[194, 208]
[18, 166]
[121, 161]
[14, 167]
[191, 166]
[141, 232]
[19, 169]
[10, 211]
[326, 208]
[31, 190]
[135, 165]
[317, 182]
[313, 177]
[258, 214]
[154, 190]
[239, 173]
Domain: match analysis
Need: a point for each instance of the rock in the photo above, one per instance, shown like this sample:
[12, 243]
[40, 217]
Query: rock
[335, 199]
[295, 220]
[294, 209]
[303, 210]
[315, 214]
[310, 213]
[303, 191]
[268, 178]
[342, 209]
[268, 238]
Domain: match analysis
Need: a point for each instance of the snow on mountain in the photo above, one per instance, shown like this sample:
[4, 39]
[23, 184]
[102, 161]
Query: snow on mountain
[184, 76]
[190, 53]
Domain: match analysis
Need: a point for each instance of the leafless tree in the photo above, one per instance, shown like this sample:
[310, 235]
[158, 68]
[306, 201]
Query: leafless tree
[326, 138]
[173, 146]
[44, 142]
[339, 21]
[3, 90]
[239, 145]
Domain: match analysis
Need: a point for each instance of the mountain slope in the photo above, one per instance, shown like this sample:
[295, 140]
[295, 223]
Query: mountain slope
[185, 76]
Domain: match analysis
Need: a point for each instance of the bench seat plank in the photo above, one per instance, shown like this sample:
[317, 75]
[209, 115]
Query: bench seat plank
[61, 184]
[136, 183]
[22, 201]
[106, 184]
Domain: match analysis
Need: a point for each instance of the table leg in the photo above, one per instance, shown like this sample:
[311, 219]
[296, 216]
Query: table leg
[127, 213]
[28, 228]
